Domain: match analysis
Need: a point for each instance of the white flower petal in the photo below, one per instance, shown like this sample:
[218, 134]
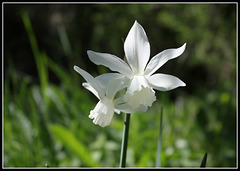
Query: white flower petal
[139, 93]
[137, 48]
[112, 62]
[146, 96]
[102, 113]
[136, 83]
[122, 106]
[117, 111]
[165, 82]
[111, 83]
[90, 80]
[90, 88]
[128, 109]
[114, 86]
[157, 61]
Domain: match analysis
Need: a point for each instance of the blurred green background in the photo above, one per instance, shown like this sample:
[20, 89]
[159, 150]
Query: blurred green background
[45, 112]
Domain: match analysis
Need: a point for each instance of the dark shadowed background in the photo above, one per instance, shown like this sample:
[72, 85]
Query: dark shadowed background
[45, 116]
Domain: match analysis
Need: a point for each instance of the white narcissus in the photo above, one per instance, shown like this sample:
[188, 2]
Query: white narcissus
[105, 87]
[141, 80]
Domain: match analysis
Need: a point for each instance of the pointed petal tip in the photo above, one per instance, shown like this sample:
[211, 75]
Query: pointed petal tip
[85, 84]
[89, 52]
[184, 46]
[183, 84]
[75, 67]
[136, 24]
[181, 49]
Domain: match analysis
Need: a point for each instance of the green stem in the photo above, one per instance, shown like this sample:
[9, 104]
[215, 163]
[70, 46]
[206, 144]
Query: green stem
[125, 140]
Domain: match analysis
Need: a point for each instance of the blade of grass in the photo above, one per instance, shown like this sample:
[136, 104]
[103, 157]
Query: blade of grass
[41, 63]
[31, 36]
[204, 161]
[65, 41]
[69, 140]
[158, 160]
[40, 58]
[60, 72]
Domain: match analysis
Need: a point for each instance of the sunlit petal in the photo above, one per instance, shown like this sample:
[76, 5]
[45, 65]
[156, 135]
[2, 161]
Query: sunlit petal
[165, 82]
[102, 113]
[139, 93]
[90, 80]
[111, 83]
[157, 61]
[137, 48]
[112, 62]
[126, 108]
[122, 106]
[90, 88]
[137, 82]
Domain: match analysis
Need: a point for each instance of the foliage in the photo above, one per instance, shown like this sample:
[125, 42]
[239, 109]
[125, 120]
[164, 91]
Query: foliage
[45, 109]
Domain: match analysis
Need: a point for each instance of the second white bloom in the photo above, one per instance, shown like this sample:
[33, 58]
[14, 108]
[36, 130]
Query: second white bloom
[104, 87]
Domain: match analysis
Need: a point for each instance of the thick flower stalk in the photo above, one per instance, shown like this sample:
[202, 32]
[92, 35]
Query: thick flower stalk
[138, 71]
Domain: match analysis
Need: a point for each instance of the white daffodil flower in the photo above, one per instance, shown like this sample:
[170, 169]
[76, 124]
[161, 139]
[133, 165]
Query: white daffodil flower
[142, 81]
[105, 87]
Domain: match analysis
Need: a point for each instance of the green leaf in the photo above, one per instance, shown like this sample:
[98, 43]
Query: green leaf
[204, 161]
[69, 140]
[40, 58]
[60, 72]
